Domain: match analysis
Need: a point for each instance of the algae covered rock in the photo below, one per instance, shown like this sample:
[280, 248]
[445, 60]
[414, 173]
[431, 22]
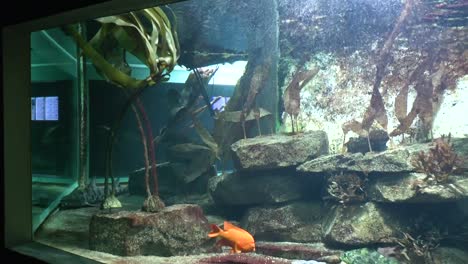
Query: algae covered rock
[175, 230]
[395, 160]
[365, 256]
[278, 151]
[258, 188]
[295, 222]
[411, 188]
[450, 255]
[357, 225]
[299, 251]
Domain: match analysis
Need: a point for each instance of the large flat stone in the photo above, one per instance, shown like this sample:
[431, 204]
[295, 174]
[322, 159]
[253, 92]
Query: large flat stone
[392, 161]
[278, 151]
[403, 188]
[176, 230]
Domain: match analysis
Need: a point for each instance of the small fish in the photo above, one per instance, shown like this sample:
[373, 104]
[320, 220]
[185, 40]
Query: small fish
[235, 237]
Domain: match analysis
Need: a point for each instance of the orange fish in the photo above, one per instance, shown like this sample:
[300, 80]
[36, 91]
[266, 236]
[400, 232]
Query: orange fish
[235, 237]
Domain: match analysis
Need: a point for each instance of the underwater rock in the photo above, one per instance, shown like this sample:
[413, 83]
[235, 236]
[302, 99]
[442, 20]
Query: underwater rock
[190, 161]
[175, 230]
[295, 222]
[203, 200]
[394, 160]
[244, 258]
[289, 250]
[366, 256]
[460, 146]
[262, 188]
[67, 227]
[358, 225]
[278, 151]
[168, 184]
[378, 141]
[449, 255]
[410, 188]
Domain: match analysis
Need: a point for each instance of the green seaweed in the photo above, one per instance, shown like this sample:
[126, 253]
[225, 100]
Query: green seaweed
[365, 256]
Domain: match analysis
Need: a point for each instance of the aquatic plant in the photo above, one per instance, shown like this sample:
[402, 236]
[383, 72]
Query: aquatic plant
[227, 132]
[428, 93]
[157, 48]
[291, 96]
[376, 110]
[419, 248]
[257, 82]
[346, 188]
[439, 162]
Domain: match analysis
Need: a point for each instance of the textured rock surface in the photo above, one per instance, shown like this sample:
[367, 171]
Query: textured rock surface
[394, 160]
[316, 251]
[295, 222]
[279, 151]
[360, 225]
[176, 230]
[68, 227]
[450, 255]
[190, 161]
[170, 180]
[262, 188]
[402, 188]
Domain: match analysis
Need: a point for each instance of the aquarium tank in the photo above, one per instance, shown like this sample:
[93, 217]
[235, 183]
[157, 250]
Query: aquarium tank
[269, 131]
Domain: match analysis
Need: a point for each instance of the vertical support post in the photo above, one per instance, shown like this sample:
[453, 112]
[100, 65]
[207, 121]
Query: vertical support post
[83, 116]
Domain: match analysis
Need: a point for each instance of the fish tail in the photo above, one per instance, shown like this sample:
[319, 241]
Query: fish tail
[215, 231]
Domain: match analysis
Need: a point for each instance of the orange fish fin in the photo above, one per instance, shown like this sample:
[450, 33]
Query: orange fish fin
[225, 242]
[228, 226]
[236, 249]
[215, 231]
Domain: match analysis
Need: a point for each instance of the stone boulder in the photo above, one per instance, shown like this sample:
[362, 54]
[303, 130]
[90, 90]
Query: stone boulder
[392, 161]
[361, 225]
[260, 188]
[450, 255]
[395, 160]
[404, 188]
[171, 181]
[278, 151]
[295, 222]
[176, 230]
[190, 161]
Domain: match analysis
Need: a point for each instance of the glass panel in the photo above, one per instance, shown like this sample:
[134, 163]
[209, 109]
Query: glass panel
[53, 120]
[331, 121]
